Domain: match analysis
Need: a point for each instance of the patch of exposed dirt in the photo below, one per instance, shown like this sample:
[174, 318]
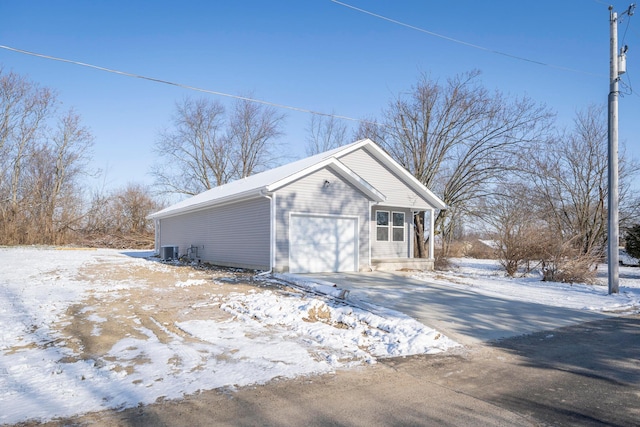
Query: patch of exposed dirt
[322, 314]
[318, 314]
[147, 297]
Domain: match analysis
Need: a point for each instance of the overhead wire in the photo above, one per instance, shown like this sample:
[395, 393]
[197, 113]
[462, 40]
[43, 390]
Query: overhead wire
[626, 28]
[462, 42]
[188, 87]
[294, 108]
[629, 85]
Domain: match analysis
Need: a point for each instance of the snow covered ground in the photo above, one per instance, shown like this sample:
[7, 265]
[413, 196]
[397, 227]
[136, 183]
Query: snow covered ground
[88, 330]
[488, 278]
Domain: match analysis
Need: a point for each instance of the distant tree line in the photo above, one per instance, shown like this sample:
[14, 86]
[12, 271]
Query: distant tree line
[553, 210]
[500, 163]
[44, 158]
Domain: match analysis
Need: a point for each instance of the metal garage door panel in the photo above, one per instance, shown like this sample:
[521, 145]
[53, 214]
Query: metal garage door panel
[320, 244]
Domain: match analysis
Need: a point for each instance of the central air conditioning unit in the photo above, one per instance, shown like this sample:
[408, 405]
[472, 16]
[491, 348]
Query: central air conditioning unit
[168, 252]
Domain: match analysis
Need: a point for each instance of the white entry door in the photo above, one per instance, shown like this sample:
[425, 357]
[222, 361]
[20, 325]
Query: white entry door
[322, 243]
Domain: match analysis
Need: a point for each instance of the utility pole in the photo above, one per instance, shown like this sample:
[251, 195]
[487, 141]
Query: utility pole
[617, 68]
[612, 215]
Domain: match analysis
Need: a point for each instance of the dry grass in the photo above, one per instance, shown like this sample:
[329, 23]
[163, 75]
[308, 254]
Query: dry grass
[472, 248]
[318, 314]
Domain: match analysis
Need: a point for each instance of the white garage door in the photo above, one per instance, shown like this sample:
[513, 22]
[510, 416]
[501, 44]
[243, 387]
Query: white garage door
[322, 243]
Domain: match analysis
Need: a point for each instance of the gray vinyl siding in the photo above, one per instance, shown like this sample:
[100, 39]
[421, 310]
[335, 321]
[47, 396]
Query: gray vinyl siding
[309, 195]
[391, 249]
[397, 192]
[236, 234]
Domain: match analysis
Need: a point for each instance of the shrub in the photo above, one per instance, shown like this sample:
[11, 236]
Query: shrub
[440, 261]
[632, 241]
[564, 262]
[521, 247]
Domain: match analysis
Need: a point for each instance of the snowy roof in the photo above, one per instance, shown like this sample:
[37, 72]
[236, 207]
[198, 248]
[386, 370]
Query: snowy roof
[270, 180]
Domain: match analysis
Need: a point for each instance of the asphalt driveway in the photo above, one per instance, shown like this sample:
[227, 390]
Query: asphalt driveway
[462, 315]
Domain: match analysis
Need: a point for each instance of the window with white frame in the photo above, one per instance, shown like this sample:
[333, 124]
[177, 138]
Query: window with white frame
[398, 227]
[390, 226]
[382, 226]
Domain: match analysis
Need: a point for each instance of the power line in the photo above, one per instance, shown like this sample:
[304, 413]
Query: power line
[462, 42]
[629, 86]
[183, 86]
[626, 28]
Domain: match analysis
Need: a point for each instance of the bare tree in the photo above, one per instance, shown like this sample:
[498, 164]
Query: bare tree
[205, 148]
[133, 204]
[36, 166]
[24, 108]
[252, 131]
[52, 175]
[561, 196]
[43, 157]
[100, 217]
[195, 153]
[325, 133]
[119, 218]
[457, 139]
[569, 174]
[521, 237]
[71, 149]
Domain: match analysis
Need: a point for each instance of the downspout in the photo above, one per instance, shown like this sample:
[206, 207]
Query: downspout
[432, 254]
[371, 203]
[158, 236]
[272, 232]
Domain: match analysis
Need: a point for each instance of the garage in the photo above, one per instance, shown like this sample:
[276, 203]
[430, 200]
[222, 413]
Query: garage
[318, 214]
[323, 243]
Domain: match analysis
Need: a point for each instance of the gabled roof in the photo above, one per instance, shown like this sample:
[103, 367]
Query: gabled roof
[338, 167]
[404, 174]
[265, 182]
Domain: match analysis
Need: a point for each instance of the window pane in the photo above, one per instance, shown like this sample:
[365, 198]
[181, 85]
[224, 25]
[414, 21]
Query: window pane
[383, 234]
[382, 218]
[398, 219]
[398, 234]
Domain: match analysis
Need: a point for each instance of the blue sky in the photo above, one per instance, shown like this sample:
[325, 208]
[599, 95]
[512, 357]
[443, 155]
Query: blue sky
[312, 54]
